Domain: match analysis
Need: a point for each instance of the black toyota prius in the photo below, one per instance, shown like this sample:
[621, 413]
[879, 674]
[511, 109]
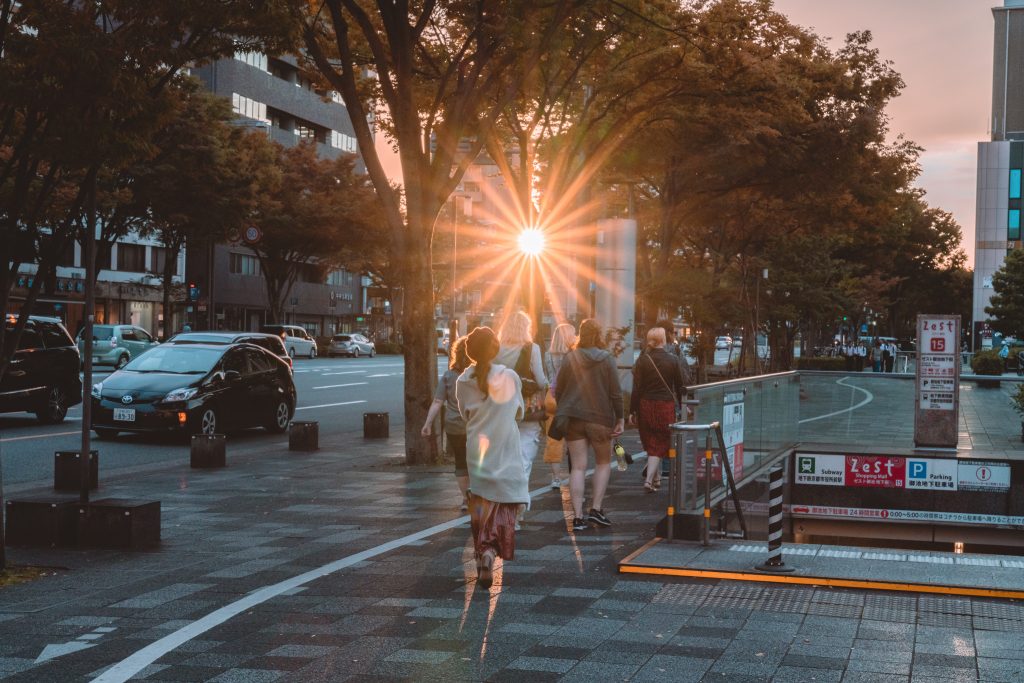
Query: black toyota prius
[195, 389]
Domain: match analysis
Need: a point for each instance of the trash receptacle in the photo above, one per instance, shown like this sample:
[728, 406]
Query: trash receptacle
[375, 426]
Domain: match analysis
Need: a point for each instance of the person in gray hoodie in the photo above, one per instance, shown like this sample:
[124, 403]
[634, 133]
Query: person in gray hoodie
[589, 396]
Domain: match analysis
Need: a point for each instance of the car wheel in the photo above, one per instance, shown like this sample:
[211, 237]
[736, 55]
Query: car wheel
[55, 407]
[206, 422]
[105, 433]
[278, 422]
[373, 352]
[355, 353]
[312, 352]
[122, 361]
[291, 353]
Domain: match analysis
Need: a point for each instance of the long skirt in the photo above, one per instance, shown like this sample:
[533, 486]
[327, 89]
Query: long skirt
[494, 526]
[655, 419]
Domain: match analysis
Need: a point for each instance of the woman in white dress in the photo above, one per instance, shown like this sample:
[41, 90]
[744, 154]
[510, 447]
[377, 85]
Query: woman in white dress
[490, 400]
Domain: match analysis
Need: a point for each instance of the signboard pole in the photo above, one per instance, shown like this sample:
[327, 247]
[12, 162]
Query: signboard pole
[937, 381]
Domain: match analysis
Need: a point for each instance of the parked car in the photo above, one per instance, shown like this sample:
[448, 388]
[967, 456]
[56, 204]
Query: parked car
[270, 342]
[117, 344]
[296, 340]
[42, 377]
[354, 345]
[196, 389]
[443, 340]
[723, 343]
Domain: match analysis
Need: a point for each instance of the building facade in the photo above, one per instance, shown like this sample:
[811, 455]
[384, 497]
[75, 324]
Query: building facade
[129, 286]
[273, 95]
[1000, 163]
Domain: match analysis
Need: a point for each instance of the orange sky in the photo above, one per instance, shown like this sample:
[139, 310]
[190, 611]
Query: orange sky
[943, 49]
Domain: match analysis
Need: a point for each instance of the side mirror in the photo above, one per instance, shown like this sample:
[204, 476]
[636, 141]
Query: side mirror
[231, 375]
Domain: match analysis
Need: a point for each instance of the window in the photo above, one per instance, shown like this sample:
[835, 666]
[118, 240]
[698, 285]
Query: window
[243, 264]
[103, 260]
[250, 108]
[304, 132]
[142, 335]
[128, 334]
[157, 259]
[1015, 183]
[131, 257]
[54, 337]
[309, 330]
[258, 360]
[256, 59]
[1013, 225]
[29, 341]
[339, 278]
[343, 142]
[235, 360]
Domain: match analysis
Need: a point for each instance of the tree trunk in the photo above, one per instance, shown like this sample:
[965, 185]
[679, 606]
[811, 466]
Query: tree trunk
[420, 354]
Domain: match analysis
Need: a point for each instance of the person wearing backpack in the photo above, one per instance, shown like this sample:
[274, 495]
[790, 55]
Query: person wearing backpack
[519, 353]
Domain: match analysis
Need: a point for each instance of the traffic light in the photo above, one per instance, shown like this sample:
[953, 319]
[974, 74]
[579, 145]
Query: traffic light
[845, 318]
[193, 291]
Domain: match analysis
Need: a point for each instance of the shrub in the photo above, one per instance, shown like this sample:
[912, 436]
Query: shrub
[389, 348]
[822, 363]
[987, 363]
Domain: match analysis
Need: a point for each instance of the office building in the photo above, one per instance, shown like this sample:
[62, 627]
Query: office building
[1000, 162]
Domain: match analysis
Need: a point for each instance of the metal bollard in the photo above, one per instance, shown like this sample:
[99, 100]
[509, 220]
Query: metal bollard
[774, 562]
[672, 484]
[707, 490]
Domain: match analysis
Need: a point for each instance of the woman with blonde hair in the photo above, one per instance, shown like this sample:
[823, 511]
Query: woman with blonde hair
[562, 342]
[520, 353]
[658, 386]
[490, 401]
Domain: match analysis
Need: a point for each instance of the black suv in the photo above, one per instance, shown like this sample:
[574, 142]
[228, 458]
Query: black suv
[42, 377]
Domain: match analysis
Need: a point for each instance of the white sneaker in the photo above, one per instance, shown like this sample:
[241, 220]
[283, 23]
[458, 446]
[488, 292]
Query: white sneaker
[556, 483]
[518, 527]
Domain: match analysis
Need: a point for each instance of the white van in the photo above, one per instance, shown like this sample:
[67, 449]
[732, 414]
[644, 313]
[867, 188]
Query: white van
[295, 338]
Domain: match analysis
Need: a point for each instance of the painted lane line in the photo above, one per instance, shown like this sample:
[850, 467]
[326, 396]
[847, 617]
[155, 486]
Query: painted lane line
[349, 372]
[324, 405]
[869, 399]
[337, 386]
[39, 436]
[136, 662]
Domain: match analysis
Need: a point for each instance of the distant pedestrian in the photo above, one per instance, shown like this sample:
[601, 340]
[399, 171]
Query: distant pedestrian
[454, 425]
[658, 386]
[876, 356]
[1004, 354]
[861, 354]
[561, 343]
[520, 353]
[490, 400]
[589, 396]
[889, 351]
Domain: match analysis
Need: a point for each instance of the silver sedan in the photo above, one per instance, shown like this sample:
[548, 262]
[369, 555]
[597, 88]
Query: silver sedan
[354, 345]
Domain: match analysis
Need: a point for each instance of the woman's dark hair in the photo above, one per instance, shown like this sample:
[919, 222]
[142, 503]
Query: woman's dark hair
[591, 335]
[458, 359]
[481, 347]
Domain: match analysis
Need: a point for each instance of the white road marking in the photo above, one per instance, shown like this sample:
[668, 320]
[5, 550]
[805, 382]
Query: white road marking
[386, 374]
[139, 660]
[39, 436]
[869, 399]
[55, 650]
[330, 405]
[338, 386]
[350, 372]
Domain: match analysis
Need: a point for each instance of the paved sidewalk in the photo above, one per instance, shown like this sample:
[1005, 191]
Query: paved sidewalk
[361, 612]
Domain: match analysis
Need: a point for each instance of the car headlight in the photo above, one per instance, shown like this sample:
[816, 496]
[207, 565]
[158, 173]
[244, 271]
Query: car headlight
[97, 390]
[183, 394]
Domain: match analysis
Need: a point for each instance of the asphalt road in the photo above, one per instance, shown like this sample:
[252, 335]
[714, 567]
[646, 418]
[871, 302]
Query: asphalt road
[335, 392]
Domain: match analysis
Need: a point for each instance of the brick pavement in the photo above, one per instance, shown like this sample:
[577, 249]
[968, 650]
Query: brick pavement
[558, 612]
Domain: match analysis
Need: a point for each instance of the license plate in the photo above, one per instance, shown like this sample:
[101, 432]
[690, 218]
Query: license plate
[124, 414]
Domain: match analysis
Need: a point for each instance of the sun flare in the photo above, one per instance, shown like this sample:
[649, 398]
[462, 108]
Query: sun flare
[531, 241]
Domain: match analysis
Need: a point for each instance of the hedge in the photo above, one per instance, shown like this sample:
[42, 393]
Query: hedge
[987, 363]
[821, 363]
